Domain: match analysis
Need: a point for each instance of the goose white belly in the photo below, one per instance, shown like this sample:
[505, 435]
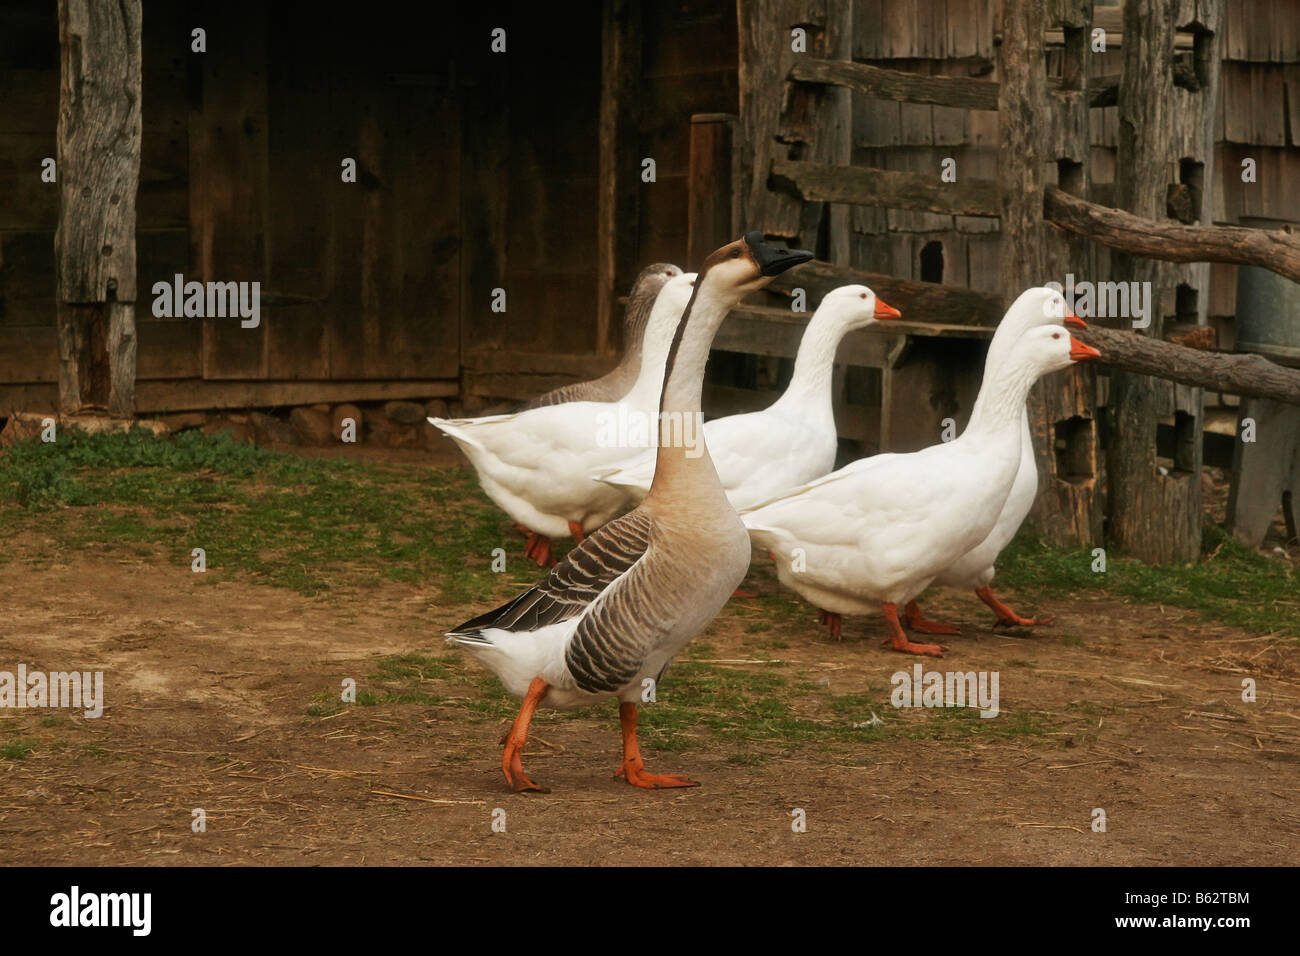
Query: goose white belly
[536, 465]
[855, 553]
[976, 568]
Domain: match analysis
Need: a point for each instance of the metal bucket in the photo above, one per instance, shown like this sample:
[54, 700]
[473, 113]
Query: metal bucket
[1268, 307]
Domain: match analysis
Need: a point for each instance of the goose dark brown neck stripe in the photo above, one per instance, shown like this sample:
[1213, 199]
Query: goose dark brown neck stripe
[713, 259]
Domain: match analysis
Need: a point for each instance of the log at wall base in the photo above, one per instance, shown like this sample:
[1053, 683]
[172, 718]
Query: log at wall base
[1174, 242]
[1237, 373]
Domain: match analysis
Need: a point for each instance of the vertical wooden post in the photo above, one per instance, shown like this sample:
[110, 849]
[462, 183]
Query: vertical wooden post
[619, 163]
[1153, 516]
[708, 213]
[1069, 509]
[806, 122]
[99, 173]
[1022, 107]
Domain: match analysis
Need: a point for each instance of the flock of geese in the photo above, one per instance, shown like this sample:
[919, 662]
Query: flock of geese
[609, 618]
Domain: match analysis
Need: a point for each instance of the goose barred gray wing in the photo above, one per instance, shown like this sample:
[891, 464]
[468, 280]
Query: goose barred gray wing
[575, 582]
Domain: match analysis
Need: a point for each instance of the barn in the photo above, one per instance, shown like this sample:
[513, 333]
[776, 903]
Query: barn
[255, 219]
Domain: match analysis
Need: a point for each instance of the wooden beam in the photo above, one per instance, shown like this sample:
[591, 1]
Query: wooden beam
[955, 91]
[928, 302]
[192, 394]
[811, 122]
[99, 175]
[1278, 250]
[708, 211]
[1154, 516]
[617, 162]
[1237, 373]
[864, 186]
[1103, 91]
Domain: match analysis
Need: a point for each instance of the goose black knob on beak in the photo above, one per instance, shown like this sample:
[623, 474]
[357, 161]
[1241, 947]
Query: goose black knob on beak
[771, 260]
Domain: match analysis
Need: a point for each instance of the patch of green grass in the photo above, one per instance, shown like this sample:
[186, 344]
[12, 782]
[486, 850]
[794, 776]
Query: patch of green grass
[324, 705]
[1231, 583]
[312, 525]
[402, 666]
[16, 749]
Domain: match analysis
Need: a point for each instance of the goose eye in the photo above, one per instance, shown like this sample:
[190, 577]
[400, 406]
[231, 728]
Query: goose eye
[862, 295]
[735, 254]
[1056, 335]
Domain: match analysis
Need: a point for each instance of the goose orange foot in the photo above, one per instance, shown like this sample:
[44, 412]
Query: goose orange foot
[917, 622]
[832, 621]
[538, 549]
[1006, 616]
[633, 768]
[899, 640]
[512, 759]
[575, 530]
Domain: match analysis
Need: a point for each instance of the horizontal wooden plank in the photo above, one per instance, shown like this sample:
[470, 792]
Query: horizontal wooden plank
[28, 354]
[898, 85]
[821, 182]
[576, 367]
[189, 394]
[925, 302]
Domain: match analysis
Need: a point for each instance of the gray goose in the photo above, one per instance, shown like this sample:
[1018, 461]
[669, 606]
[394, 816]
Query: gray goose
[617, 382]
[611, 616]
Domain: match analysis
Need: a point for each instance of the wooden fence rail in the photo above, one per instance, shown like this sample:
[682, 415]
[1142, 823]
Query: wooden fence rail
[864, 186]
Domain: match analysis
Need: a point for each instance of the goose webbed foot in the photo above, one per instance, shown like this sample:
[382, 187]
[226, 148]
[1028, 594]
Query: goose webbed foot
[633, 768]
[575, 530]
[899, 640]
[538, 549]
[917, 622]
[512, 759]
[1006, 616]
[832, 621]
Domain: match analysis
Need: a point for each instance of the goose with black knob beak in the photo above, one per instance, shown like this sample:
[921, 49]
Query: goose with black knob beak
[610, 617]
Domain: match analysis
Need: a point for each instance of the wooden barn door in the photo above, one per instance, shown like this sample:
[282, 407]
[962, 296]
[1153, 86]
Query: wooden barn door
[360, 280]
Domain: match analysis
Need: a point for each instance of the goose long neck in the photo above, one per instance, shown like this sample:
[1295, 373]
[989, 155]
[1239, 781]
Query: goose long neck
[1000, 406]
[658, 339]
[682, 460]
[815, 361]
[635, 322]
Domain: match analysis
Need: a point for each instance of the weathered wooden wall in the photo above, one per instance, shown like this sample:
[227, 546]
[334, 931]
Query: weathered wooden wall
[475, 171]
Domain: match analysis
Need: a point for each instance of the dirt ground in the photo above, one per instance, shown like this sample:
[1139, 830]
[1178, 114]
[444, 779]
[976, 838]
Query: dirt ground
[208, 688]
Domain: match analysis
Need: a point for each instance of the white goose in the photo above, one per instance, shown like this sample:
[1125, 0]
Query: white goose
[537, 464]
[611, 615]
[976, 568]
[761, 454]
[876, 532]
[617, 382]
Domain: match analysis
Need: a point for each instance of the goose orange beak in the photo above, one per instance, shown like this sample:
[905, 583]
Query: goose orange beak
[1080, 352]
[1072, 321]
[886, 311]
